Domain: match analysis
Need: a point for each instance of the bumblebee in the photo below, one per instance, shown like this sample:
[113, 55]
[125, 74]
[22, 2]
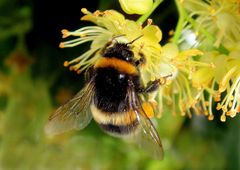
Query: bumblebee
[111, 97]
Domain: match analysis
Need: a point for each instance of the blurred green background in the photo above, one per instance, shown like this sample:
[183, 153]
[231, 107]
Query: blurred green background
[33, 83]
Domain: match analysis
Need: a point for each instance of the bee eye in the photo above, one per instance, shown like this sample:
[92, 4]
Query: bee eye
[127, 58]
[121, 76]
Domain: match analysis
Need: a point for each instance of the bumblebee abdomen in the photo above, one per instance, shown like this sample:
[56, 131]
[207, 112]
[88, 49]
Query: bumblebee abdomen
[117, 123]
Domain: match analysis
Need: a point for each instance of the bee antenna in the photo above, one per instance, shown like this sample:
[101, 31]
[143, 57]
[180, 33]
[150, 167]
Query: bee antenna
[135, 39]
[116, 36]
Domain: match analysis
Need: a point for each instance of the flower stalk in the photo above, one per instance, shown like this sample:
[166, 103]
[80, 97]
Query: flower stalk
[144, 17]
[181, 21]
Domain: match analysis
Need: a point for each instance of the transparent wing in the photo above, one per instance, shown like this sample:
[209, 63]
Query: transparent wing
[75, 114]
[147, 136]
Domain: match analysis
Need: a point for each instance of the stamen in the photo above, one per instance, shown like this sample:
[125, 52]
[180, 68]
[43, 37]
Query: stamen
[65, 33]
[233, 88]
[219, 106]
[226, 78]
[80, 41]
[61, 45]
[210, 117]
[66, 63]
[223, 117]
[85, 11]
[149, 21]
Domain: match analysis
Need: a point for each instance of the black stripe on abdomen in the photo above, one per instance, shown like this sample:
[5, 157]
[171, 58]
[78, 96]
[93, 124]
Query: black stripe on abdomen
[120, 129]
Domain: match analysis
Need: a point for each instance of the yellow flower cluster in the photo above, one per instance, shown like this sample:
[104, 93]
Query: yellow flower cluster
[216, 17]
[160, 61]
[216, 24]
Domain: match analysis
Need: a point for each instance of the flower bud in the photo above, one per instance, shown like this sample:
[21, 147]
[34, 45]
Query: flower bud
[136, 6]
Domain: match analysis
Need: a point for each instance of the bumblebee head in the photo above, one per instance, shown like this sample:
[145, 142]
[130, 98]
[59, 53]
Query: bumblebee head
[121, 51]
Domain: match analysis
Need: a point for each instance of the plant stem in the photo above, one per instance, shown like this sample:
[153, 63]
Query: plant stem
[182, 16]
[144, 17]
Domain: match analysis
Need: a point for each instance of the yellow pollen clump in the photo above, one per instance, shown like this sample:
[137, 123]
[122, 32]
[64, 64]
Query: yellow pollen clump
[219, 106]
[228, 113]
[148, 109]
[171, 32]
[233, 113]
[223, 118]
[206, 103]
[210, 117]
[97, 13]
[217, 98]
[224, 108]
[149, 21]
[84, 10]
[61, 45]
[66, 64]
[65, 33]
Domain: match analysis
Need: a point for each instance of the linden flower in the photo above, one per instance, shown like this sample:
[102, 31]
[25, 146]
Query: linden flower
[191, 79]
[218, 17]
[230, 84]
[178, 92]
[110, 24]
[224, 73]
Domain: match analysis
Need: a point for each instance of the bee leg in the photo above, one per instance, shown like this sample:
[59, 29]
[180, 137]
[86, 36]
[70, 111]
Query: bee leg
[154, 85]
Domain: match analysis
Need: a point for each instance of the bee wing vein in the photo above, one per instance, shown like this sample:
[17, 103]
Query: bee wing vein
[75, 114]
